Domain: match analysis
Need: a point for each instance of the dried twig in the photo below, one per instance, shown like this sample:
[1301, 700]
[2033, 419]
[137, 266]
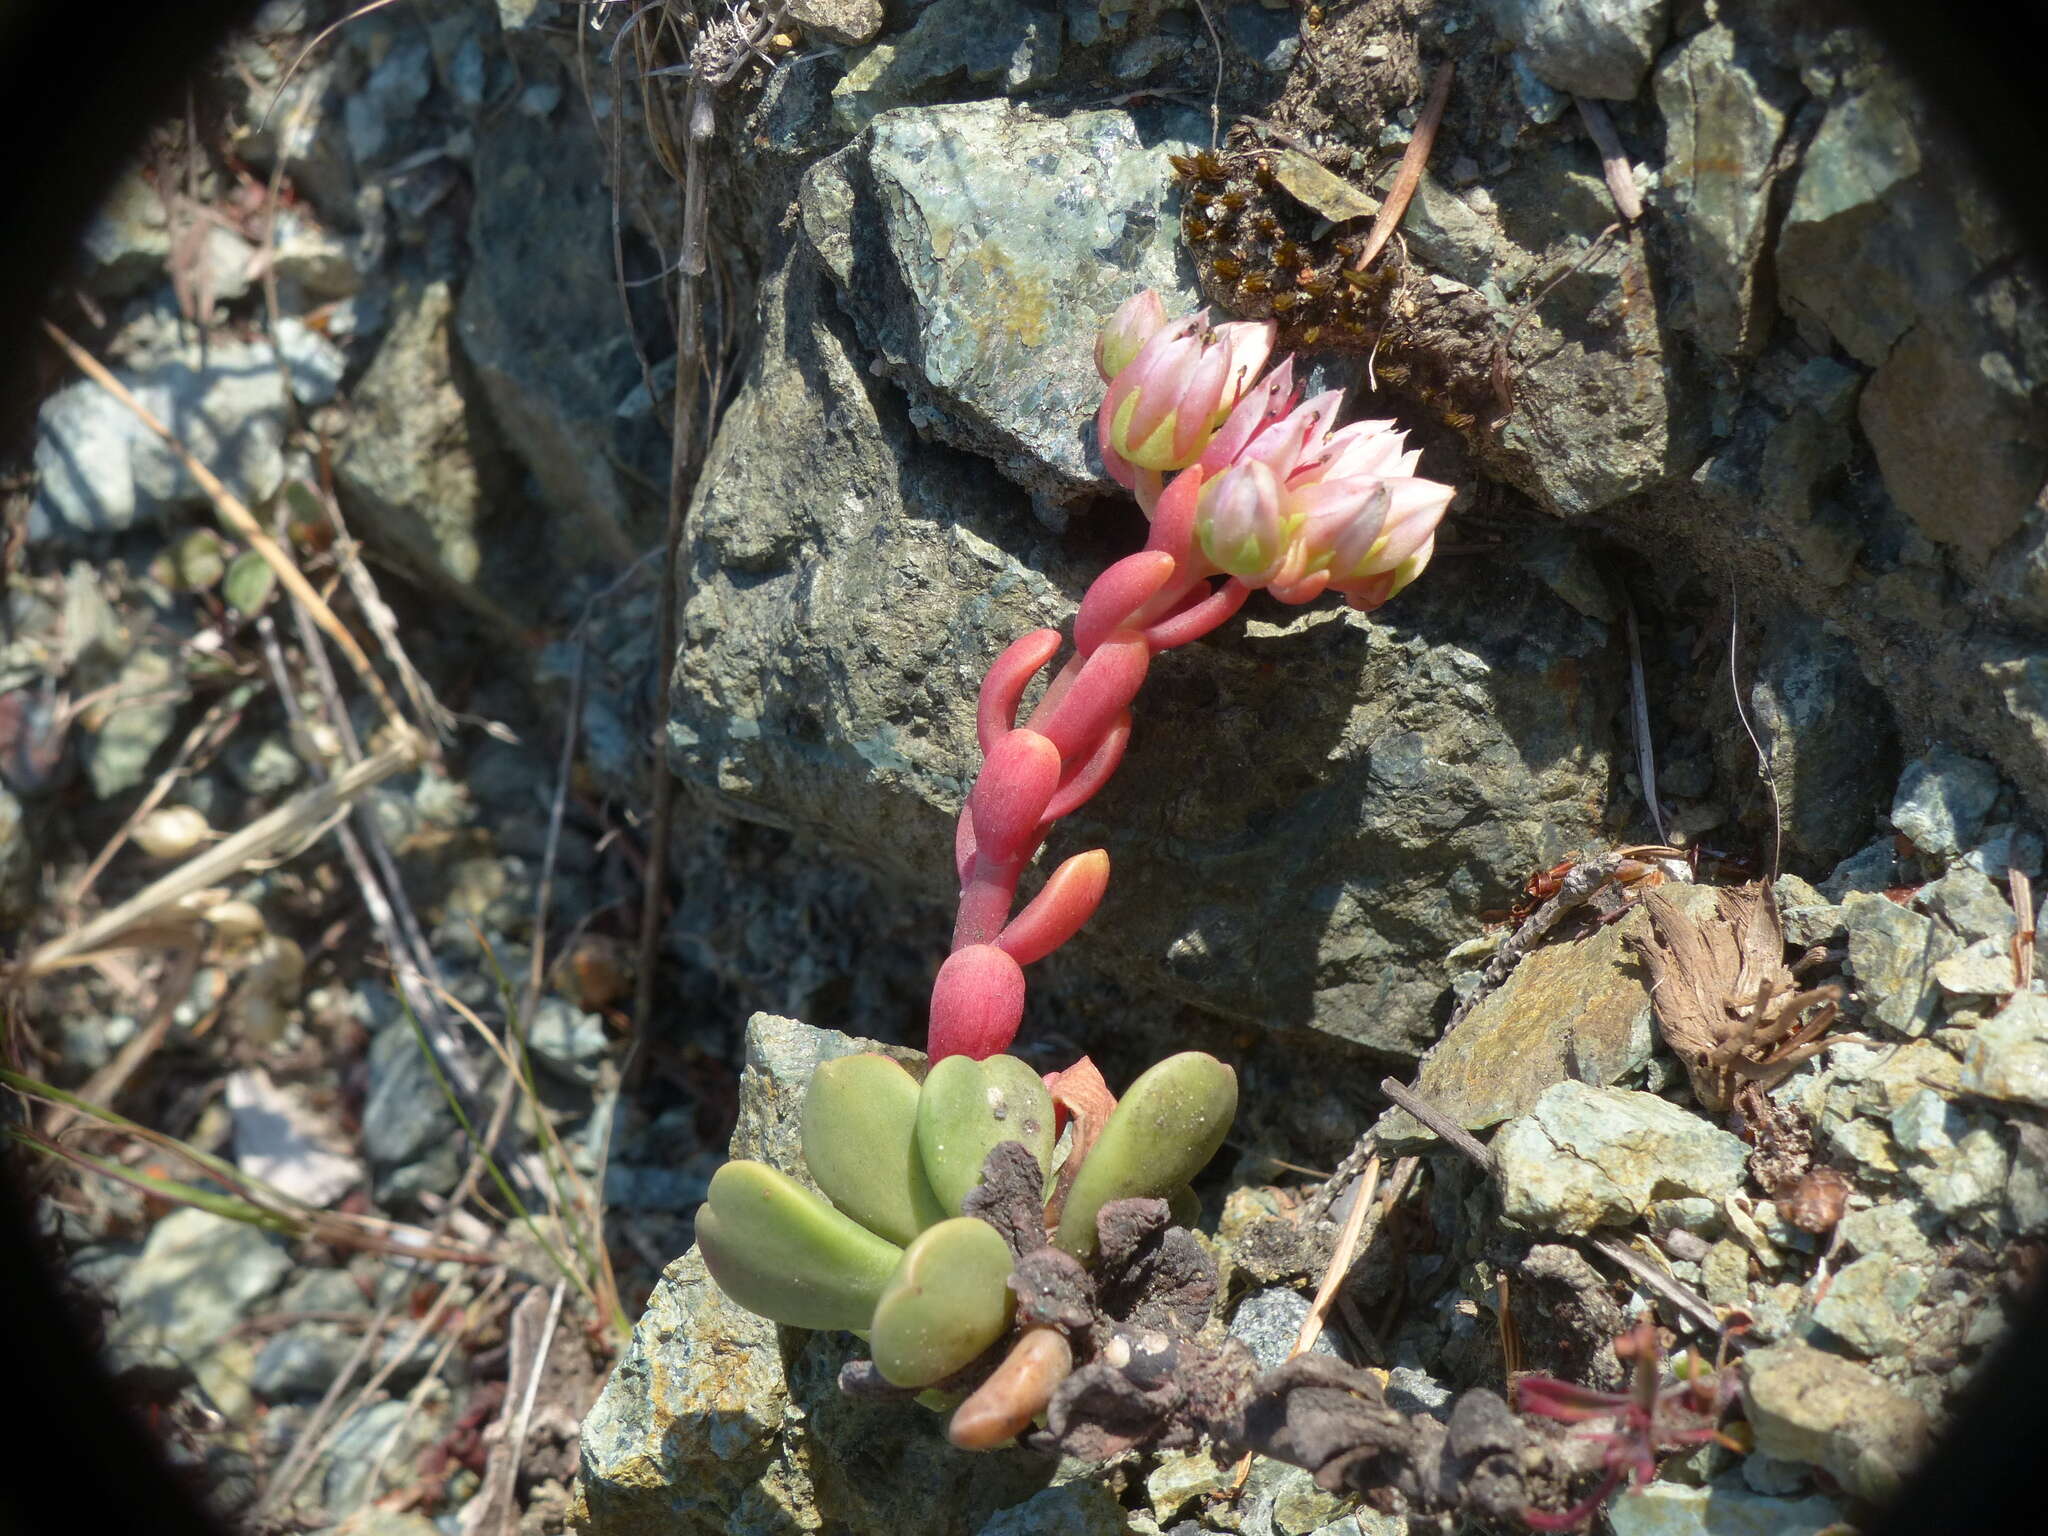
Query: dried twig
[492, 1511]
[2023, 936]
[1409, 176]
[1444, 1126]
[1614, 166]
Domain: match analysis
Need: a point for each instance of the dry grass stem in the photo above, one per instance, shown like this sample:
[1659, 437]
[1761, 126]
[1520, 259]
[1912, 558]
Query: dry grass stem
[261, 839]
[1339, 1265]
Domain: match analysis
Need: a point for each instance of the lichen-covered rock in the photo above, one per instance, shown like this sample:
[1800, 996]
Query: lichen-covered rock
[1589, 1157]
[1942, 801]
[2007, 1057]
[1866, 1306]
[1892, 955]
[978, 307]
[1578, 1010]
[1717, 1509]
[1810, 1406]
[1586, 47]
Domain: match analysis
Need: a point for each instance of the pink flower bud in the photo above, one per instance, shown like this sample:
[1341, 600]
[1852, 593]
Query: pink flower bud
[1163, 406]
[1238, 521]
[1136, 322]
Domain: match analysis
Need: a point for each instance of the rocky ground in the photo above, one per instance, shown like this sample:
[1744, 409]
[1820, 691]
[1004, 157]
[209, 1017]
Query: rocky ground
[408, 304]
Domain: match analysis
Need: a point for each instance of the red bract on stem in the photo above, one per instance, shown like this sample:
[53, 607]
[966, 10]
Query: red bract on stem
[1644, 1421]
[1265, 492]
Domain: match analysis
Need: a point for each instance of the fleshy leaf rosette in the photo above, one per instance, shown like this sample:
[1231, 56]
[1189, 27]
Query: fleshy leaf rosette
[886, 1250]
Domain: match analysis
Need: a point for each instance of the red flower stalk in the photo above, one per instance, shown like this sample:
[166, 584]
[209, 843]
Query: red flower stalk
[1646, 1420]
[1266, 494]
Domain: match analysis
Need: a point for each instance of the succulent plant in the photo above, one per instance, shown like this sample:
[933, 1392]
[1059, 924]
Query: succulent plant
[887, 1251]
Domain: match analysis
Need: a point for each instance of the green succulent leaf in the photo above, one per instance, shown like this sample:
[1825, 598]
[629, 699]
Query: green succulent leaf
[860, 1144]
[194, 563]
[1165, 1128]
[948, 1300]
[777, 1249]
[249, 583]
[967, 1109]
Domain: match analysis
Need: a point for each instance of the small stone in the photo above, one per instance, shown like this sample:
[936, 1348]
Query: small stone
[2026, 1188]
[1865, 1307]
[1599, 48]
[409, 1130]
[1875, 867]
[137, 721]
[1587, 1157]
[1968, 902]
[1719, 1509]
[1809, 1406]
[1983, 970]
[1970, 1176]
[265, 766]
[568, 1042]
[1927, 1124]
[1892, 955]
[1779, 1479]
[1414, 1391]
[849, 23]
[197, 1276]
[1066, 1509]
[1724, 1274]
[1809, 917]
[1888, 1228]
[1179, 1477]
[2007, 1057]
[2005, 848]
[1268, 1322]
[1942, 801]
[1864, 1144]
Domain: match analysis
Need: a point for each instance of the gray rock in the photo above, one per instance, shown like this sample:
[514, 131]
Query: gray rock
[1866, 1308]
[1874, 867]
[989, 42]
[1869, 240]
[1391, 747]
[101, 471]
[567, 1041]
[128, 241]
[1892, 955]
[1590, 1157]
[2026, 1190]
[1942, 801]
[1724, 1273]
[197, 1276]
[390, 1435]
[410, 1132]
[1828, 735]
[1809, 1406]
[1948, 407]
[848, 22]
[1964, 1179]
[1968, 902]
[1982, 970]
[1725, 118]
[1267, 1322]
[263, 765]
[975, 304]
[553, 358]
[414, 465]
[1597, 48]
[1718, 1509]
[2007, 1057]
[1081, 1508]
[1889, 1227]
[137, 720]
[1780, 1479]
[2006, 847]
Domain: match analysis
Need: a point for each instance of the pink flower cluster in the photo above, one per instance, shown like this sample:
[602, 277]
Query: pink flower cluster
[1266, 492]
